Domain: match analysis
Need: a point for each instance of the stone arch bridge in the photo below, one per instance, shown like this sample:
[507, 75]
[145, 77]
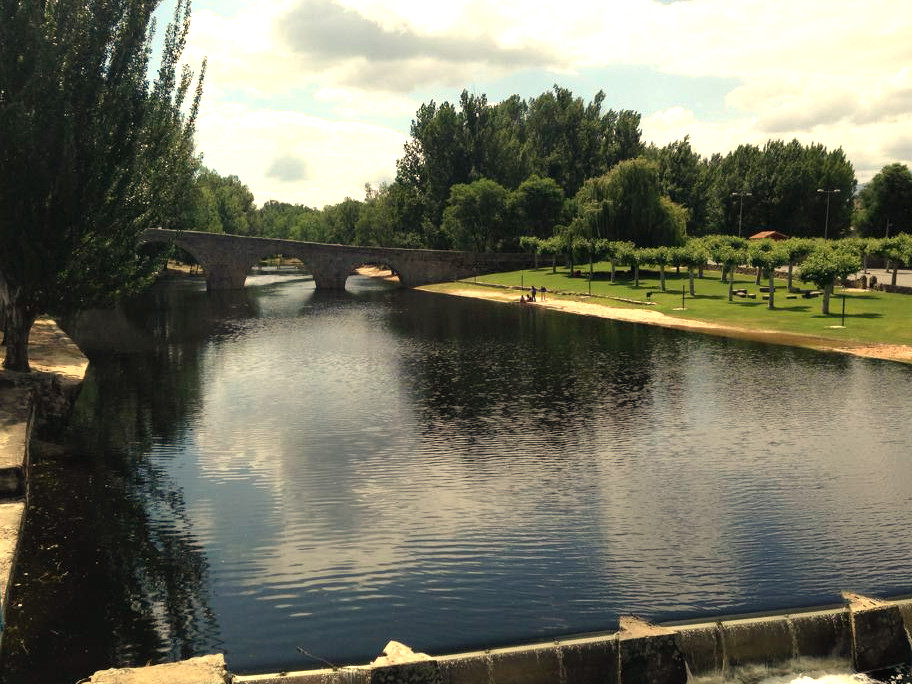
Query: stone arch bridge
[228, 258]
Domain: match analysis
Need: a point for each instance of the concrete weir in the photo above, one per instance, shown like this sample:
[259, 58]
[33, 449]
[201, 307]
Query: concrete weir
[870, 633]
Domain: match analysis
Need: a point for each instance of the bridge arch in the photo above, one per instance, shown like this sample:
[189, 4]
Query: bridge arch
[228, 258]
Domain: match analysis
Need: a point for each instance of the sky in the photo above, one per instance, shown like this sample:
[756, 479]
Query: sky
[307, 100]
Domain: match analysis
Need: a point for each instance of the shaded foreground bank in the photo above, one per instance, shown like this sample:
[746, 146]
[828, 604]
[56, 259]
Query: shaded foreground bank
[635, 312]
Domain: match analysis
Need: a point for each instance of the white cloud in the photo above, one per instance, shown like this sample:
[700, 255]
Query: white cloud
[354, 102]
[319, 161]
[833, 72]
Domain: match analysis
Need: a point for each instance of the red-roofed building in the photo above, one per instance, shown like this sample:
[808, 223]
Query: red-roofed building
[771, 234]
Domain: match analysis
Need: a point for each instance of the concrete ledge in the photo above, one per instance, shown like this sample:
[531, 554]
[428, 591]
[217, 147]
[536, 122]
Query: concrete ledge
[17, 411]
[208, 669]
[342, 675]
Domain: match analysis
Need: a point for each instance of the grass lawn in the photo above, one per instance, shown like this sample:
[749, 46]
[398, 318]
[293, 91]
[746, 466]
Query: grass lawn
[870, 317]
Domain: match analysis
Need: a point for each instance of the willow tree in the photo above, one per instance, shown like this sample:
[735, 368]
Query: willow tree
[93, 152]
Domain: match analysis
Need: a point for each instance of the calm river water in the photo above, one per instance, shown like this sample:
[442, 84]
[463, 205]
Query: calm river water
[285, 470]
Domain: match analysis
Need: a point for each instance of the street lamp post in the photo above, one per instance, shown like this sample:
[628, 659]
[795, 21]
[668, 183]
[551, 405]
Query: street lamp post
[742, 195]
[826, 225]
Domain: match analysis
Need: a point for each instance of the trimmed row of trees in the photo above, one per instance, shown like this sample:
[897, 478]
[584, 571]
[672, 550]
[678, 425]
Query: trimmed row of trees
[821, 262]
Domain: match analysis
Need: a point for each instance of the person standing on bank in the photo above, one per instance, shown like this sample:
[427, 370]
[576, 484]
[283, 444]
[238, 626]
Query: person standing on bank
[532, 296]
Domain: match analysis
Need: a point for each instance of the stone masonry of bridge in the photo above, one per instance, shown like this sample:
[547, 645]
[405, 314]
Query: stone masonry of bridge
[228, 258]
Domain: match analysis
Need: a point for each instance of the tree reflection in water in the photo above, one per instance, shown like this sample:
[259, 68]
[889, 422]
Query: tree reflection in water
[83, 599]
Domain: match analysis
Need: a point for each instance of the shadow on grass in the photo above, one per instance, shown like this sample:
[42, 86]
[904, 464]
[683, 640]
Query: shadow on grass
[802, 308]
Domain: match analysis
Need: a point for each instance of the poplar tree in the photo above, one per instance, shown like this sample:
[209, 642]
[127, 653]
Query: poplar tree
[93, 152]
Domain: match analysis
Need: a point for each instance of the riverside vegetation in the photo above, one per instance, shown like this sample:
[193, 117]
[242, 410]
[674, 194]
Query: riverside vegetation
[871, 317]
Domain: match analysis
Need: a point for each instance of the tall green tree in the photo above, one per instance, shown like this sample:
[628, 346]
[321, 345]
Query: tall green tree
[226, 205]
[885, 204]
[92, 152]
[474, 216]
[537, 205]
[685, 178]
[783, 180]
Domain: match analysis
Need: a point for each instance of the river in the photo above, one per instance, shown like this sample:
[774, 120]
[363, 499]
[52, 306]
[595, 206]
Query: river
[294, 477]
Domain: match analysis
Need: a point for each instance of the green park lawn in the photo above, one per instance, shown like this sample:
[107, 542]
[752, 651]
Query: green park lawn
[870, 317]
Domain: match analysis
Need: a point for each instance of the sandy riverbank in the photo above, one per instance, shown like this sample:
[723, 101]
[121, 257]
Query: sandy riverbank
[381, 273]
[889, 352]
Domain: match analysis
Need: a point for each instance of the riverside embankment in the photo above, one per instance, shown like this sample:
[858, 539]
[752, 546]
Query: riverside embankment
[31, 402]
[600, 307]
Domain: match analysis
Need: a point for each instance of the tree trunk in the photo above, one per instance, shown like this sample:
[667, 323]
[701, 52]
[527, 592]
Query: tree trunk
[758, 276]
[864, 263]
[772, 289]
[662, 276]
[723, 273]
[826, 299]
[18, 326]
[554, 263]
[636, 275]
[690, 277]
[701, 270]
[895, 270]
[535, 260]
[612, 271]
[791, 264]
[731, 287]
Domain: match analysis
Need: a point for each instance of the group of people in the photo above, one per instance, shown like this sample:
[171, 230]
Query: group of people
[532, 292]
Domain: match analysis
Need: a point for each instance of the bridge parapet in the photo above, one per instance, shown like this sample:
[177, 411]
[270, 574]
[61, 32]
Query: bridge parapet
[228, 258]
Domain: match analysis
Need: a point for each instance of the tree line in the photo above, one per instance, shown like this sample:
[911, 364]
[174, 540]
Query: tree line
[477, 175]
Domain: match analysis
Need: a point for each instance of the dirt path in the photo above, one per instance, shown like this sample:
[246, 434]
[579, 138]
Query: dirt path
[889, 352]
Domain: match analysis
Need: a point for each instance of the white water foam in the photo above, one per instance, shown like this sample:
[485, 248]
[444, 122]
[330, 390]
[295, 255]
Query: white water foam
[802, 671]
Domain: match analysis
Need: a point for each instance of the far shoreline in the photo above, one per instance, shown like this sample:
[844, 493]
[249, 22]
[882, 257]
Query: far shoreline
[885, 352]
